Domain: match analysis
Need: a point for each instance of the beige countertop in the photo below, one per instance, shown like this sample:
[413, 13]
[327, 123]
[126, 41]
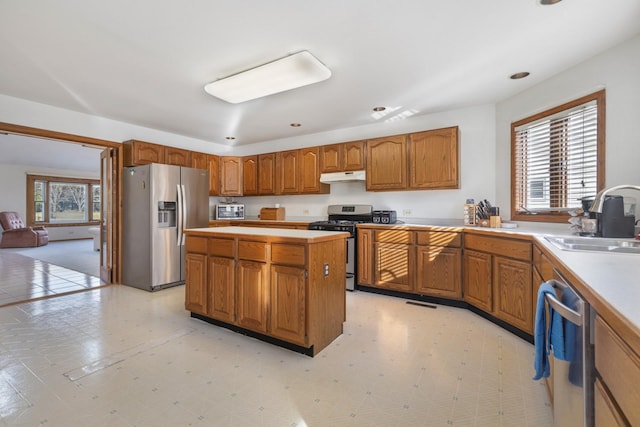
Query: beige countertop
[279, 233]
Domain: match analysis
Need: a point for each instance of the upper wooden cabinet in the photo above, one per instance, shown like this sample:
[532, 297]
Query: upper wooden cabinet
[348, 156]
[137, 153]
[433, 159]
[199, 160]
[387, 163]
[230, 176]
[250, 175]
[310, 171]
[288, 170]
[267, 174]
[177, 156]
[213, 165]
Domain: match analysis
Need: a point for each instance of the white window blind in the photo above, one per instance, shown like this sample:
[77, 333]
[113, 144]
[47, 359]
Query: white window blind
[556, 160]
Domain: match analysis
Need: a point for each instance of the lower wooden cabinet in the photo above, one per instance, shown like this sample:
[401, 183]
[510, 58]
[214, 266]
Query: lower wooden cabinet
[288, 303]
[365, 256]
[393, 266]
[253, 295]
[439, 271]
[477, 284]
[196, 273]
[512, 292]
[220, 292]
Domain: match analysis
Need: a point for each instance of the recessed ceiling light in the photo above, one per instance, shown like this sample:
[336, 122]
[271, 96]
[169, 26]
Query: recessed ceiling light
[520, 75]
[549, 2]
[379, 108]
[295, 125]
[290, 72]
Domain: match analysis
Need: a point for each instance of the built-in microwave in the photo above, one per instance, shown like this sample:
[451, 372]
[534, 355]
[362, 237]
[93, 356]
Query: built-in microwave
[230, 211]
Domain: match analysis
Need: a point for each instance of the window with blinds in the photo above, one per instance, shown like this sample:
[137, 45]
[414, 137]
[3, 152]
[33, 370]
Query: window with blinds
[557, 159]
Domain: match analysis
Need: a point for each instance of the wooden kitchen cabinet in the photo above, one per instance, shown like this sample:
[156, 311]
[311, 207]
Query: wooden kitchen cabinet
[365, 256]
[220, 291]
[250, 175]
[267, 174]
[287, 172]
[213, 165]
[196, 274]
[439, 264]
[387, 163]
[393, 260]
[177, 156]
[287, 319]
[253, 295]
[512, 300]
[477, 284]
[137, 153]
[347, 156]
[433, 159]
[199, 160]
[230, 176]
[310, 172]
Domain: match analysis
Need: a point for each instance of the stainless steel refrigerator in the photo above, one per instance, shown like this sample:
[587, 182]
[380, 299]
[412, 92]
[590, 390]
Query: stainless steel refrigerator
[158, 203]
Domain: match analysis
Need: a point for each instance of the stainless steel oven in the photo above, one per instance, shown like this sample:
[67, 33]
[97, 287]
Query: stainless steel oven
[345, 218]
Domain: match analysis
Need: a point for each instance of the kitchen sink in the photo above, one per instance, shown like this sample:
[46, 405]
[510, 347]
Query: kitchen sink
[596, 244]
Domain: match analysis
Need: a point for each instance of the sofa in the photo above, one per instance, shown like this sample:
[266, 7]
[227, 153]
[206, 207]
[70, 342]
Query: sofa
[15, 234]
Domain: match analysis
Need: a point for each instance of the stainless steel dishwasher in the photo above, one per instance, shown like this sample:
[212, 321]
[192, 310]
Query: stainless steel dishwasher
[573, 379]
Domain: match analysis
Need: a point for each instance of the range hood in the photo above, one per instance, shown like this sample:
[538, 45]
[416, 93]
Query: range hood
[330, 178]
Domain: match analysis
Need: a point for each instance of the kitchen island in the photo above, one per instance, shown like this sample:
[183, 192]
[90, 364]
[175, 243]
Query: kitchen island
[283, 286]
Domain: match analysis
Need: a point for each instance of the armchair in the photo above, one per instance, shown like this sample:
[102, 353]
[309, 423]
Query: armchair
[16, 234]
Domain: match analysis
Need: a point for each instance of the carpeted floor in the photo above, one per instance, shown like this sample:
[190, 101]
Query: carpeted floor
[75, 255]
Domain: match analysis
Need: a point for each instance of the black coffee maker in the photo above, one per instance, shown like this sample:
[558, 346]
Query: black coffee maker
[612, 222]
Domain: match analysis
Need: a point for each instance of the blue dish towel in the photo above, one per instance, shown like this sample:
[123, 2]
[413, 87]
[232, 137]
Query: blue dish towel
[544, 341]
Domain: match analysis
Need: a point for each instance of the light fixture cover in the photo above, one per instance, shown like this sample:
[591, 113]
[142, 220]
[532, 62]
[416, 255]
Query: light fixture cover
[290, 72]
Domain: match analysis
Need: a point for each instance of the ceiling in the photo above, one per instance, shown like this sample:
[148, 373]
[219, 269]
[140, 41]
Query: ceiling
[146, 62]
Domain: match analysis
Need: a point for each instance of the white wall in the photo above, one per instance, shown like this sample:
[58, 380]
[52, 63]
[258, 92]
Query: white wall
[616, 70]
[13, 191]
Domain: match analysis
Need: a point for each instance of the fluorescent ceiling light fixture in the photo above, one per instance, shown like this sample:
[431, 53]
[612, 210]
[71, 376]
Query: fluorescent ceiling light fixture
[290, 72]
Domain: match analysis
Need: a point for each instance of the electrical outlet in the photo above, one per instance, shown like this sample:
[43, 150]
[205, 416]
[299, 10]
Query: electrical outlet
[407, 212]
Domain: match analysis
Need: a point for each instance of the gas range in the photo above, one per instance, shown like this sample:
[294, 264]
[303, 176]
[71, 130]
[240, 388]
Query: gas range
[344, 218]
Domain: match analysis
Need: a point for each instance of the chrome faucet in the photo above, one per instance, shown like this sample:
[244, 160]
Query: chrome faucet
[598, 202]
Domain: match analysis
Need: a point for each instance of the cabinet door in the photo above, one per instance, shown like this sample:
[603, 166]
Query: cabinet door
[177, 156]
[393, 266]
[353, 155]
[365, 257]
[213, 164]
[433, 159]
[310, 172]
[512, 292]
[253, 295]
[231, 176]
[221, 296]
[287, 172]
[138, 153]
[438, 271]
[387, 163]
[477, 286]
[267, 173]
[287, 313]
[606, 412]
[199, 160]
[196, 283]
[331, 158]
[250, 175]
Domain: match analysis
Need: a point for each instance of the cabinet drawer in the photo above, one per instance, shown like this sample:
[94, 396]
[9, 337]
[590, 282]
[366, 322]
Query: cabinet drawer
[509, 248]
[393, 236]
[196, 244]
[284, 253]
[254, 251]
[222, 247]
[619, 368]
[439, 238]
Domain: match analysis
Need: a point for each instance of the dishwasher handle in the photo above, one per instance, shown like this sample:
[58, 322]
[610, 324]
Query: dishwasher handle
[566, 312]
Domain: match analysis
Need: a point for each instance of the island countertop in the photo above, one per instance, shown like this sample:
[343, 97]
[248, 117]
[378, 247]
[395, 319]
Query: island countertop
[263, 234]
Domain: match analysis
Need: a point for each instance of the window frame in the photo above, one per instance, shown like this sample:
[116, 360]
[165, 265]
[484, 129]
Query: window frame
[48, 179]
[559, 215]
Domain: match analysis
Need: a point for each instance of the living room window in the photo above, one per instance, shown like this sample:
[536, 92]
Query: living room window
[557, 159]
[62, 201]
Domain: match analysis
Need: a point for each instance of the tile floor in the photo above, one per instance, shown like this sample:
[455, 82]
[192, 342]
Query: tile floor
[24, 278]
[120, 356]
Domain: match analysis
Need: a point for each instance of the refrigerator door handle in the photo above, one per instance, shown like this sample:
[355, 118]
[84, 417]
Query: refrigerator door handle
[180, 219]
[183, 238]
